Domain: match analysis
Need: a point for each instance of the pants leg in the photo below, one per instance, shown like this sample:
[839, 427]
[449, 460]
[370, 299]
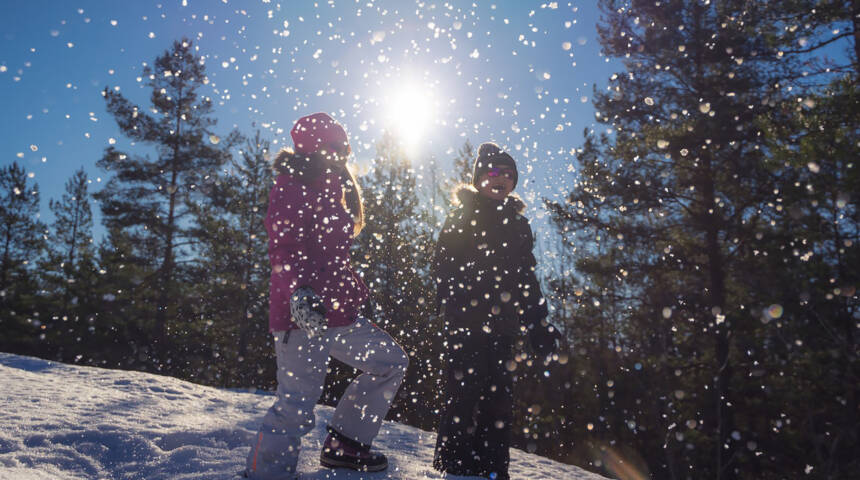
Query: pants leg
[364, 404]
[495, 413]
[465, 378]
[302, 363]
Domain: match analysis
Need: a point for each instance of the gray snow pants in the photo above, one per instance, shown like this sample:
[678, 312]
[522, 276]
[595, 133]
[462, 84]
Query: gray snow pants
[302, 363]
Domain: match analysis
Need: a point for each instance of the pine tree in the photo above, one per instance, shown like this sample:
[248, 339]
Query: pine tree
[23, 242]
[71, 233]
[463, 163]
[441, 186]
[813, 321]
[393, 256]
[69, 271]
[121, 332]
[150, 198]
[670, 211]
[462, 175]
[233, 268]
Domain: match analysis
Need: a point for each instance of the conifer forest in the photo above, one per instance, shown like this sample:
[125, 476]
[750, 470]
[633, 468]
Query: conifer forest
[700, 254]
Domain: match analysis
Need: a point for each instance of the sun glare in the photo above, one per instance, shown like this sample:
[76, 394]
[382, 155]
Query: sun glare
[410, 114]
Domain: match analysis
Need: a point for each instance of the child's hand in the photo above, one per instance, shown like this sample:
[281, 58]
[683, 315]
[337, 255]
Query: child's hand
[308, 311]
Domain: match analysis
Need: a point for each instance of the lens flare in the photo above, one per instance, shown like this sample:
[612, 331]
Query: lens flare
[774, 311]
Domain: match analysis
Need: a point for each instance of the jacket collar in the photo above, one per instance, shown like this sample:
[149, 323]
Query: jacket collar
[468, 197]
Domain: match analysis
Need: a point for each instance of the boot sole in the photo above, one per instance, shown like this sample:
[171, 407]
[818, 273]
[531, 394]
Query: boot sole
[330, 463]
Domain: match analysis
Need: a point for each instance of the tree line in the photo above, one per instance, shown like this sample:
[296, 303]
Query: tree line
[709, 244]
[702, 264]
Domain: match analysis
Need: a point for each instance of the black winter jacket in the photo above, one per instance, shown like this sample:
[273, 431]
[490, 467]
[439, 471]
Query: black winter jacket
[484, 266]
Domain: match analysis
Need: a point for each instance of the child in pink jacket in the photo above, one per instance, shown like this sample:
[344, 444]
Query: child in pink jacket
[315, 211]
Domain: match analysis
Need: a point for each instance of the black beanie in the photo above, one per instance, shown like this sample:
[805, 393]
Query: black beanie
[491, 156]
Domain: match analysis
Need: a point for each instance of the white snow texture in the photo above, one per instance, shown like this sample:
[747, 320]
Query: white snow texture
[61, 421]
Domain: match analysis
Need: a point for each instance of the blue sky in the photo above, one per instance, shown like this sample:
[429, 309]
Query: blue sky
[518, 73]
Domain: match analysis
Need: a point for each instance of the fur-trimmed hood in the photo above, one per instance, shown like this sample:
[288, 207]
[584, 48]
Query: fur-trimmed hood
[467, 195]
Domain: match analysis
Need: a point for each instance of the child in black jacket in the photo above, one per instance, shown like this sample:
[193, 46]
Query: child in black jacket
[487, 292]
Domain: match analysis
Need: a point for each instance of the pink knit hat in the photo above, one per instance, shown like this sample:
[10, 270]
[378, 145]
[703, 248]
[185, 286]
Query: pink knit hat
[316, 131]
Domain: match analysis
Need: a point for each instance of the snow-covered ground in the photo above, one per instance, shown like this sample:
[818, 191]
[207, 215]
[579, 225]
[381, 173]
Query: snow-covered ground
[61, 421]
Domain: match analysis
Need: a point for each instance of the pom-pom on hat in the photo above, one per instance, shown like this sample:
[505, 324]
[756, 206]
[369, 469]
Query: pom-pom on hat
[491, 156]
[317, 131]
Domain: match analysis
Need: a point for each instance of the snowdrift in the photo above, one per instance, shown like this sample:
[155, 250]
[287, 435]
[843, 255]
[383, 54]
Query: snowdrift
[60, 421]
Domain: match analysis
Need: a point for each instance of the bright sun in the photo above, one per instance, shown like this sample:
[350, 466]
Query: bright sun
[409, 114]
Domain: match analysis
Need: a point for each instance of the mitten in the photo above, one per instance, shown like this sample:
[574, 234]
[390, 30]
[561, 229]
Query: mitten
[308, 311]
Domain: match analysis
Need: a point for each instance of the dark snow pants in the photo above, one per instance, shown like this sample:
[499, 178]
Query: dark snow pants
[475, 427]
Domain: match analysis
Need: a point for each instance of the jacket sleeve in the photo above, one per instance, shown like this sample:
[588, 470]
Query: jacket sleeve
[287, 221]
[532, 300]
[446, 260]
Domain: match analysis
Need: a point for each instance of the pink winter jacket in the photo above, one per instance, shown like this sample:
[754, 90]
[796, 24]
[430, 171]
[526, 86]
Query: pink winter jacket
[310, 233]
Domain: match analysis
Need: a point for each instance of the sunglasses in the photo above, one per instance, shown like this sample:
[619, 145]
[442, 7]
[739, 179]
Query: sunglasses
[501, 172]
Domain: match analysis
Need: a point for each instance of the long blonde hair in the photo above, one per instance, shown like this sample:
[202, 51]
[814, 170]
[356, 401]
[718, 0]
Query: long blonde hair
[307, 168]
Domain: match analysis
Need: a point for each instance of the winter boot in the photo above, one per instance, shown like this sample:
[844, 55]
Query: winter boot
[341, 452]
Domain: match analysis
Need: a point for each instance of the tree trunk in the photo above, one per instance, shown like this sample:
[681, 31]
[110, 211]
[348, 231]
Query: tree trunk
[71, 260]
[847, 373]
[4, 275]
[244, 322]
[723, 420]
[162, 329]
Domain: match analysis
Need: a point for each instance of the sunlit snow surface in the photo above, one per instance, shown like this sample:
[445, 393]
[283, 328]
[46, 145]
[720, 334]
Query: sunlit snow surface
[61, 421]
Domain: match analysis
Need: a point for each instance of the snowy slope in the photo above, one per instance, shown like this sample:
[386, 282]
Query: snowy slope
[61, 421]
